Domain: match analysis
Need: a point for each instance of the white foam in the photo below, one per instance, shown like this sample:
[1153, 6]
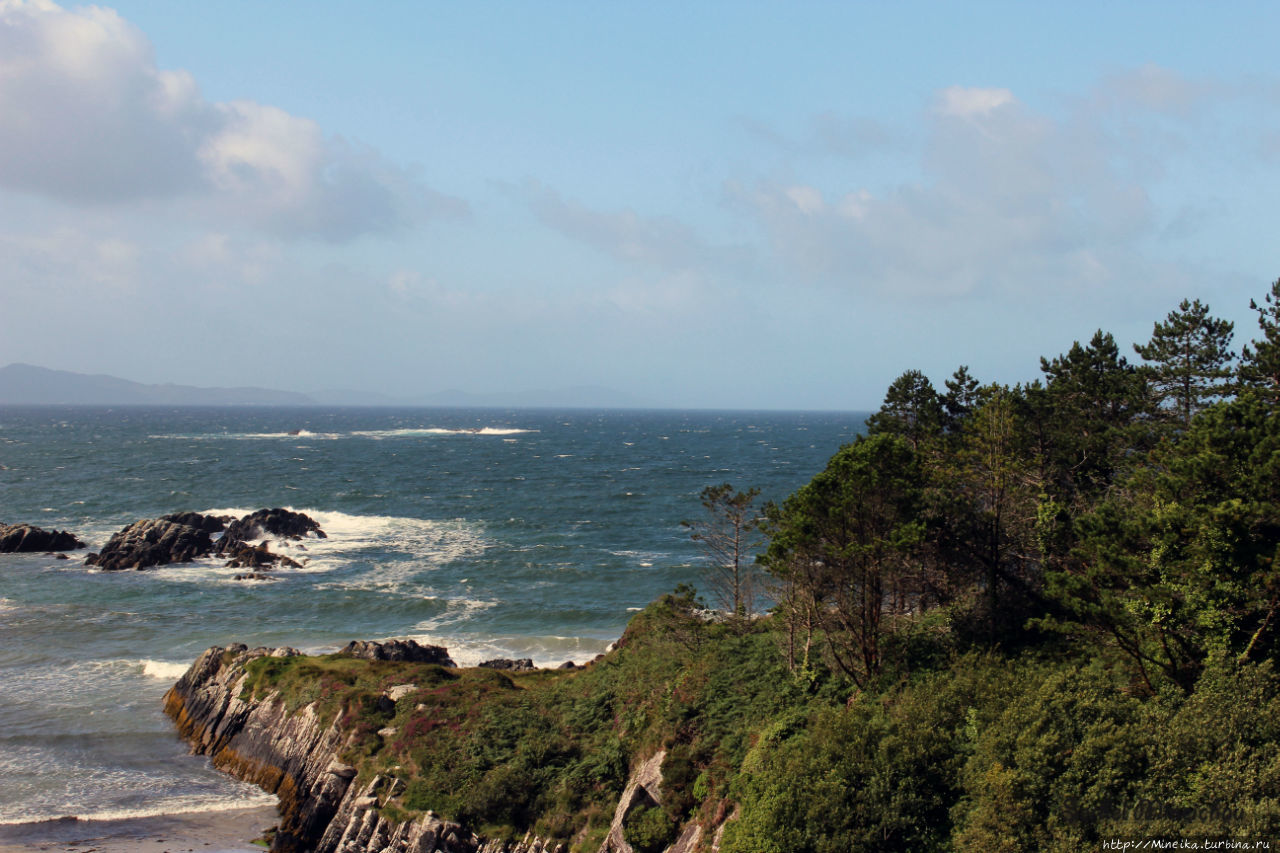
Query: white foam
[164, 670]
[546, 651]
[250, 436]
[251, 797]
[418, 432]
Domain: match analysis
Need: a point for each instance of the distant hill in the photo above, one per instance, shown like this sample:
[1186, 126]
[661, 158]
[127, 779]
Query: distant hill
[28, 385]
[25, 384]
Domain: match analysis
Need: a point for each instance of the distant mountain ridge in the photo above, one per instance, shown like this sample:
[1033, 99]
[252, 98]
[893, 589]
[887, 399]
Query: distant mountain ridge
[29, 385]
[26, 384]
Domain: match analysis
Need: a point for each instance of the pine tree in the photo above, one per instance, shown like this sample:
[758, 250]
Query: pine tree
[1260, 363]
[1189, 359]
[912, 409]
[1087, 409]
[729, 537]
[961, 399]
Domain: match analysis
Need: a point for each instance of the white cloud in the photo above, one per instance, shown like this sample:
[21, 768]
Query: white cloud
[1007, 199]
[962, 102]
[89, 118]
[659, 241]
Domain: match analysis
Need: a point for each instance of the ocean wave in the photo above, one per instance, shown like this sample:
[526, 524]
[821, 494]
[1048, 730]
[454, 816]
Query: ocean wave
[248, 436]
[164, 670]
[400, 544]
[418, 432]
[547, 650]
[249, 797]
[408, 432]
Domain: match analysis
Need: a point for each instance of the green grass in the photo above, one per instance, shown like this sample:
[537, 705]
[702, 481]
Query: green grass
[1037, 750]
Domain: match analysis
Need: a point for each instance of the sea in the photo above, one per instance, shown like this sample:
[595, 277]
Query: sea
[497, 533]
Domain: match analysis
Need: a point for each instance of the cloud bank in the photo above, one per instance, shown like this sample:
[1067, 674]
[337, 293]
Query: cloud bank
[91, 120]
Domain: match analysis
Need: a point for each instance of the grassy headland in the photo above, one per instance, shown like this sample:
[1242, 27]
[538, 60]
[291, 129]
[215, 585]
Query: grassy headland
[1009, 618]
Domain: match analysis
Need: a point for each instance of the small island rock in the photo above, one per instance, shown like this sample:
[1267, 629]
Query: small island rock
[178, 538]
[24, 538]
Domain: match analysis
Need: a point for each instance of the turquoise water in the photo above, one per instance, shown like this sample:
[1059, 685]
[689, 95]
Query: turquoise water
[524, 533]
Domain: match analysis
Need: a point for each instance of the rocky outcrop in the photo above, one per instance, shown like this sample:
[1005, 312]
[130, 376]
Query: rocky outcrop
[324, 806]
[399, 650]
[185, 536]
[327, 805]
[245, 556]
[15, 538]
[178, 538]
[277, 523]
[520, 665]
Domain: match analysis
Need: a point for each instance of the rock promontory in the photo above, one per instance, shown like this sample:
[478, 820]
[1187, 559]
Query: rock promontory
[326, 804]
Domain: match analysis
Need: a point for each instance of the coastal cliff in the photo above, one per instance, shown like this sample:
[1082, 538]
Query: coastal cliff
[293, 753]
[295, 749]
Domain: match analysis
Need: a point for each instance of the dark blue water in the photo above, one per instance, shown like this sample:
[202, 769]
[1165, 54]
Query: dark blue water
[527, 533]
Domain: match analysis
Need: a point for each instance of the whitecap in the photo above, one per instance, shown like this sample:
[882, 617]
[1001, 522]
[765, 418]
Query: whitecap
[249, 796]
[249, 436]
[418, 432]
[545, 650]
[164, 670]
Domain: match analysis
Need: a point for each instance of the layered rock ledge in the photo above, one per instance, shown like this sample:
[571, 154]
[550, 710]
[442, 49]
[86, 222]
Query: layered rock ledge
[326, 804]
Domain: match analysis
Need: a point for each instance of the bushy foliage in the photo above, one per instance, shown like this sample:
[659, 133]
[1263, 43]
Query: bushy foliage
[1011, 619]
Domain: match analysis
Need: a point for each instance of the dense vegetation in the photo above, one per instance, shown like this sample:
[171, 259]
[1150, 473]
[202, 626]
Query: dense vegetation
[1008, 618]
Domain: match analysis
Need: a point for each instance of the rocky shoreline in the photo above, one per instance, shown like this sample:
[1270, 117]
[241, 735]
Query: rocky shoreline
[325, 804]
[295, 756]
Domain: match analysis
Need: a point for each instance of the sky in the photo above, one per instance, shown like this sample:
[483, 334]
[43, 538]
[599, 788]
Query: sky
[699, 205]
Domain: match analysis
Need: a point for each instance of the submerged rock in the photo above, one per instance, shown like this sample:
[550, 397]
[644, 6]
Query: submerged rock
[405, 650]
[24, 538]
[245, 556]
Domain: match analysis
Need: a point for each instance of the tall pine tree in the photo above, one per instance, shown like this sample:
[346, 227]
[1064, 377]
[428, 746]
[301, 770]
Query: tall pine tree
[1260, 362]
[1189, 359]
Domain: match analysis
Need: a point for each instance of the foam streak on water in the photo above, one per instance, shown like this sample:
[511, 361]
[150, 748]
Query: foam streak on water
[498, 534]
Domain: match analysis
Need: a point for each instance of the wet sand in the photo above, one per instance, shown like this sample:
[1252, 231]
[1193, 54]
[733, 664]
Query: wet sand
[197, 832]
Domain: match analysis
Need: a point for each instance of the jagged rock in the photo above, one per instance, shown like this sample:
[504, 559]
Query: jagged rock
[568, 665]
[343, 771]
[397, 692]
[177, 538]
[644, 788]
[25, 538]
[405, 650]
[254, 576]
[521, 665]
[208, 523]
[183, 536]
[280, 523]
[294, 755]
[243, 556]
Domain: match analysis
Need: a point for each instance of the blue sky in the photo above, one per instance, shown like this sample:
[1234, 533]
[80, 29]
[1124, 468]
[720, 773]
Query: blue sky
[740, 205]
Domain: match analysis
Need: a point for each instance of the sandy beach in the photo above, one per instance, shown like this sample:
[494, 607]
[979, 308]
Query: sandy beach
[231, 831]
